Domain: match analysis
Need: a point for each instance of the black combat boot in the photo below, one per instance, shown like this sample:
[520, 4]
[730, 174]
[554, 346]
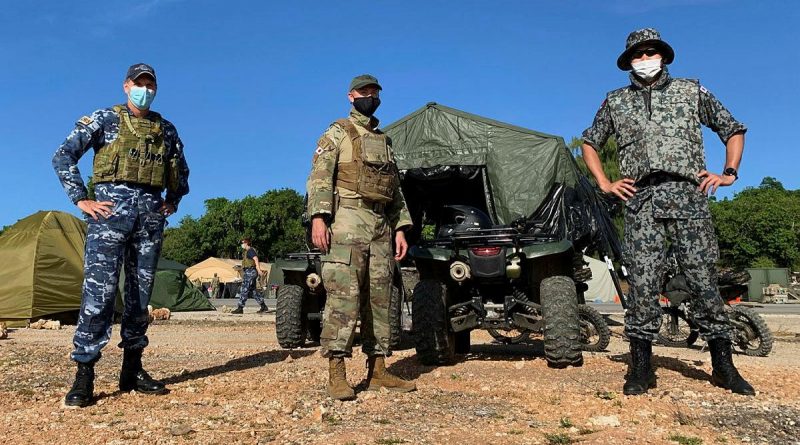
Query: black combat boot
[641, 376]
[238, 310]
[724, 373]
[263, 309]
[83, 388]
[134, 378]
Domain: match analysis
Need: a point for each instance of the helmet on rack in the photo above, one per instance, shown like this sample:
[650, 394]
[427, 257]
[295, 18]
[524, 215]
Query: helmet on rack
[459, 219]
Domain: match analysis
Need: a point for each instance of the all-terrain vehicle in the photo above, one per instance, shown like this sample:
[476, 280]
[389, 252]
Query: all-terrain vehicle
[301, 300]
[502, 216]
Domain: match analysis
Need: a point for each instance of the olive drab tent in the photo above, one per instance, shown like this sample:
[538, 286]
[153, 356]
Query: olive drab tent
[172, 290]
[42, 271]
[514, 167]
[42, 267]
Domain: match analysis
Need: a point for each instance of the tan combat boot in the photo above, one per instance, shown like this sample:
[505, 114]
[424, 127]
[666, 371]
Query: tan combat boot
[378, 376]
[338, 388]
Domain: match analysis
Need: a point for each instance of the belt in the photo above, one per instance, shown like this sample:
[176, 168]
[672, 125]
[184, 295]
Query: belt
[659, 178]
[377, 207]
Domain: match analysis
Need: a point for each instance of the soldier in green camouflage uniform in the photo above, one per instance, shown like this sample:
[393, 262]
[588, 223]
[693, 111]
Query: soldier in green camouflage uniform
[355, 202]
[657, 123]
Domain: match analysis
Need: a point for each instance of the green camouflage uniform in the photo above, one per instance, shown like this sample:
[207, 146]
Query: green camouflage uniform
[660, 144]
[357, 271]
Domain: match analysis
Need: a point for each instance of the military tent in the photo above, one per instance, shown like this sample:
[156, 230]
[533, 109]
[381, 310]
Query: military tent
[42, 267]
[172, 290]
[601, 286]
[227, 270]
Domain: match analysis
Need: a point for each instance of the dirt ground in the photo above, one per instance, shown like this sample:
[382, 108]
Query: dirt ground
[232, 384]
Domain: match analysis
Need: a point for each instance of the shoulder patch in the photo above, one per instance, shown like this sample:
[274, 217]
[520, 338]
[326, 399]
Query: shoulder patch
[86, 120]
[89, 123]
[703, 89]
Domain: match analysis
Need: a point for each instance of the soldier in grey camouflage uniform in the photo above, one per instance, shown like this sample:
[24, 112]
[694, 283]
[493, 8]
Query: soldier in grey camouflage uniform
[355, 202]
[137, 155]
[657, 123]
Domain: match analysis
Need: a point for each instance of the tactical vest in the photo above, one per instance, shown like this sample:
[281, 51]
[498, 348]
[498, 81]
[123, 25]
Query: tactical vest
[372, 172]
[667, 138]
[248, 262]
[137, 155]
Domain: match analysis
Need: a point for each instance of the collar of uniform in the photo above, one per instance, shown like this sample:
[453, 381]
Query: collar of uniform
[370, 123]
[662, 81]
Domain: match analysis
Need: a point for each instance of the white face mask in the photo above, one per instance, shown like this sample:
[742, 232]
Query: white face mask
[244, 246]
[647, 69]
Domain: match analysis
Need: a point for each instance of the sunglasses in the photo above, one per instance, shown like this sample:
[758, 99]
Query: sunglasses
[650, 52]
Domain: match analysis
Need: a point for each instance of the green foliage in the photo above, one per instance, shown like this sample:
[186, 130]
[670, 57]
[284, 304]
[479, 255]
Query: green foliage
[759, 227]
[272, 221]
[558, 439]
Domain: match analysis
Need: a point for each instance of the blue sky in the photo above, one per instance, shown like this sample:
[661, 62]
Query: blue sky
[251, 85]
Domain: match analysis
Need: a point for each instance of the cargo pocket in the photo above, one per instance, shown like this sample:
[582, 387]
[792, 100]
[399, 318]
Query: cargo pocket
[338, 254]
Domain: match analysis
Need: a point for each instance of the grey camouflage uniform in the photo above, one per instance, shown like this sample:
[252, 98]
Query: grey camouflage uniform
[131, 235]
[660, 146]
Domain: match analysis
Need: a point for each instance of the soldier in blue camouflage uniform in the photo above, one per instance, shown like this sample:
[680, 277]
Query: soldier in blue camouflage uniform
[657, 123]
[251, 270]
[137, 155]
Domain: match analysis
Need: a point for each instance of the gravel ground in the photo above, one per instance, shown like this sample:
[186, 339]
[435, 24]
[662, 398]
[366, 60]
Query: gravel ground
[232, 384]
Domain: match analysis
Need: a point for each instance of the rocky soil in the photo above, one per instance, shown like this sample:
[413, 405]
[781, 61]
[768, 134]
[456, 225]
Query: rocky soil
[232, 384]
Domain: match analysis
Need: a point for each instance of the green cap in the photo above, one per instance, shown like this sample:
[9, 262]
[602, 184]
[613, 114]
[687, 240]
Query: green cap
[364, 80]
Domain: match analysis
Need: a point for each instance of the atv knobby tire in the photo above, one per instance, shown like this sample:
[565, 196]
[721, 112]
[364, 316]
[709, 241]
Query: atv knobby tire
[290, 323]
[434, 341]
[595, 334]
[562, 329]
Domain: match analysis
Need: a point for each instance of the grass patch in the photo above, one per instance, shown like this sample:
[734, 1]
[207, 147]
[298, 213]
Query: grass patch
[585, 431]
[515, 432]
[565, 422]
[382, 421]
[558, 439]
[685, 440]
[606, 395]
[683, 418]
[332, 419]
[454, 376]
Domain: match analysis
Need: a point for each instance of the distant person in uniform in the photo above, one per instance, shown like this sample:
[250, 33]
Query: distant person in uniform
[251, 270]
[215, 286]
[137, 155]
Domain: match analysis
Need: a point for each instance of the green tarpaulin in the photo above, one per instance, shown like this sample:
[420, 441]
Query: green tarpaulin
[518, 165]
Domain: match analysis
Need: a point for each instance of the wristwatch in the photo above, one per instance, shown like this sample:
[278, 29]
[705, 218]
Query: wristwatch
[730, 171]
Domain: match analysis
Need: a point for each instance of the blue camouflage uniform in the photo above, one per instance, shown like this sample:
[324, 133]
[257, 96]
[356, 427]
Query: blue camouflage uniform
[249, 277]
[132, 233]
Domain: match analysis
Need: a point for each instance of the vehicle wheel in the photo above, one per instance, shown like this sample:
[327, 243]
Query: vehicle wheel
[676, 331]
[751, 334]
[395, 319]
[562, 330]
[290, 322]
[434, 342]
[595, 334]
[510, 337]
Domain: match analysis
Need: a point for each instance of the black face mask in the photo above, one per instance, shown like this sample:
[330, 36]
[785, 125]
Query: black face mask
[366, 105]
